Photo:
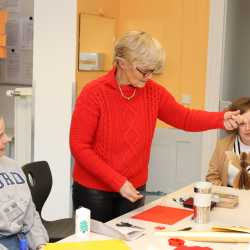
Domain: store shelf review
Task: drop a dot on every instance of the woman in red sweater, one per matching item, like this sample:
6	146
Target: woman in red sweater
113	125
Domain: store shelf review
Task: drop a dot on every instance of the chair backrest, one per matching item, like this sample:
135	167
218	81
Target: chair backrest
39	179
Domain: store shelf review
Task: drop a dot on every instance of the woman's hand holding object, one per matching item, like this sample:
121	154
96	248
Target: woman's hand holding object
129	192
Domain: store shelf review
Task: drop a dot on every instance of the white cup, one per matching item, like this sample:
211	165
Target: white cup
202	201
82	222
203	187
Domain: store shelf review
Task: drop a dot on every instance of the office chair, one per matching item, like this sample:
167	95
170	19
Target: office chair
40	182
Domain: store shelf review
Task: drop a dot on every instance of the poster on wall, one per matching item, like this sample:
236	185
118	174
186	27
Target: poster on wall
26	67
27	33
12	66
18	68
13	33
11	5
2	77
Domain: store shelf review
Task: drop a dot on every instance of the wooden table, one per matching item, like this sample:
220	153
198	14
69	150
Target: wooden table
219	216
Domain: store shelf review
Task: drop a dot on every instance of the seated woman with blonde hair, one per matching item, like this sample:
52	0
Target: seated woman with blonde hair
230	162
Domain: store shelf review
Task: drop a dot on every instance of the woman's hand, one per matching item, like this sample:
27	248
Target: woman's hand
232	119
129	192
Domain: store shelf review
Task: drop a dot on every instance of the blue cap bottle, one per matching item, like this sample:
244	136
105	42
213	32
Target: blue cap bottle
23	244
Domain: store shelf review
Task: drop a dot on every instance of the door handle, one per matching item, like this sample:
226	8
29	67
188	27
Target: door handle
12	93
17	92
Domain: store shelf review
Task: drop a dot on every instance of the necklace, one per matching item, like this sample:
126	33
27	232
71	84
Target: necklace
127	97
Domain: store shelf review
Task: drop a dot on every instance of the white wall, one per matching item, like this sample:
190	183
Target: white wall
236	80
54	76
215	62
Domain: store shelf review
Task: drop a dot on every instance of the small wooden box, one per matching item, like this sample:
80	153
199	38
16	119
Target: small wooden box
227	200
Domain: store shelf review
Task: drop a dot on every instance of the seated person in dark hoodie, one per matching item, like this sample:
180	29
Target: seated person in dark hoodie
18	215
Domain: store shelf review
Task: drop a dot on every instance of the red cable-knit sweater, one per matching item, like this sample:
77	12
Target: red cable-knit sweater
111	136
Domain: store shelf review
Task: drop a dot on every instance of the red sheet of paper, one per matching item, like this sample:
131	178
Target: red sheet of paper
163	214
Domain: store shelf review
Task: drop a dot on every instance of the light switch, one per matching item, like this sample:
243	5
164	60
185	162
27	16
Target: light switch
90	61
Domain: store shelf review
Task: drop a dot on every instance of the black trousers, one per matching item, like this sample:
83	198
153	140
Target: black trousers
104	206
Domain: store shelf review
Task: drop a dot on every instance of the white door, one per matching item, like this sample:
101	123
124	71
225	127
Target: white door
22	124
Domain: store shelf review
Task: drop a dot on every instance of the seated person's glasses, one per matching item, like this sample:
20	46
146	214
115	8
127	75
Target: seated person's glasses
145	72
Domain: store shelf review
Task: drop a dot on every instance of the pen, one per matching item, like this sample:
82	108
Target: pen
127	224
154	193
185	229
180	201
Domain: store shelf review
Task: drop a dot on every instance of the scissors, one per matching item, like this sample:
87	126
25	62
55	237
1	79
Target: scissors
126	224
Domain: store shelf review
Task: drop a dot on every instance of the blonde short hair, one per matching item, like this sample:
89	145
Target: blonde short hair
140	48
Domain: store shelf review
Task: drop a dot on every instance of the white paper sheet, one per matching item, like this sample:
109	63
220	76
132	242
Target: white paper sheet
27	33
13	65
26	66
13	33
13	5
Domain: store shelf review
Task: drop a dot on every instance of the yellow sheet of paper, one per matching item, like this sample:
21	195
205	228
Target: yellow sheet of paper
89	245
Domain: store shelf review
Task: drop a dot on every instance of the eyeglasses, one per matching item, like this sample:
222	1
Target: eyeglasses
145	72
